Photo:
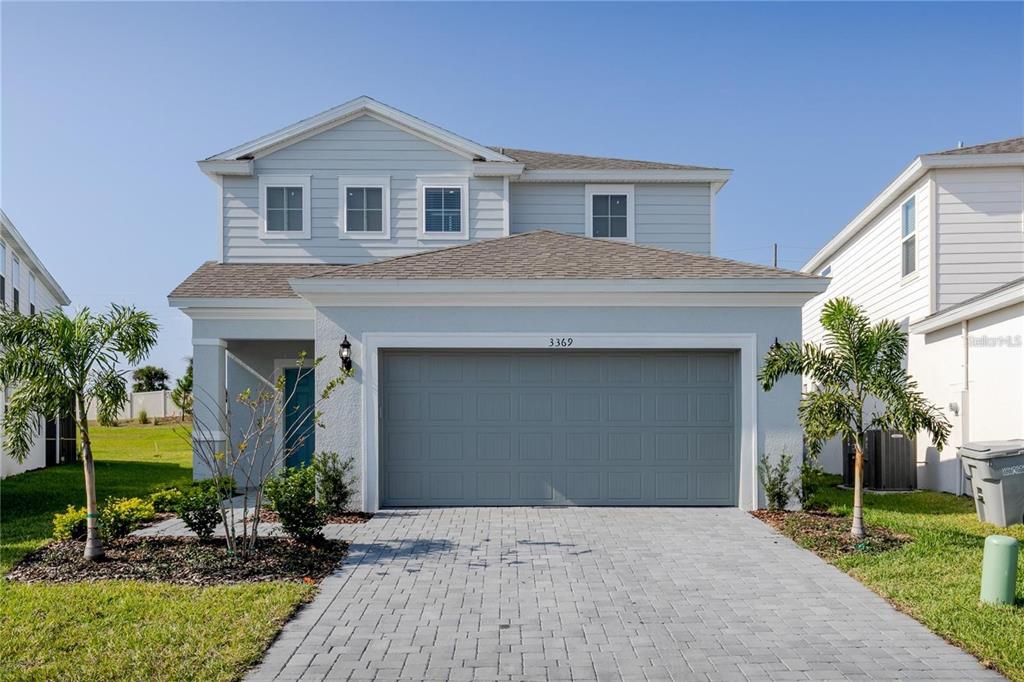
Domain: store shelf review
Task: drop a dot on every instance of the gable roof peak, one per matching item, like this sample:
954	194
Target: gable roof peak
362	105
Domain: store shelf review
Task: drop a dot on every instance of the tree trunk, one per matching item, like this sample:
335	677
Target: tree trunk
857	530
93	543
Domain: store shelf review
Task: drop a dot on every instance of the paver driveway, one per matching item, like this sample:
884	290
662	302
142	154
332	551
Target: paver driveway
597	593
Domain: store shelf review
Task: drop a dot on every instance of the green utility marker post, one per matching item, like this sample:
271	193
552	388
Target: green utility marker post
999	570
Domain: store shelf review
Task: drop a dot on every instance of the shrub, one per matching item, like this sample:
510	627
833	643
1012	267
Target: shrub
775	480
165	500
812	479
69	525
199	509
334	481
122	515
143	417
293	494
224	486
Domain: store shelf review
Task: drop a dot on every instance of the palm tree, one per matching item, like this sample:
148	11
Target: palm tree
859	383
51	360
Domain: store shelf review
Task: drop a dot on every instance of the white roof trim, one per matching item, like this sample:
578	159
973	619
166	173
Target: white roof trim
314	285
911	174
10	234
361	106
626	175
995	300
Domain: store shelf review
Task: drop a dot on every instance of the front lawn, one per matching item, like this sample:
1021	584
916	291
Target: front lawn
936	577
121	629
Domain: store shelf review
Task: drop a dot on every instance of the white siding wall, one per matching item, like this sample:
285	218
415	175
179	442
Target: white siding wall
673	216
868	269
364	146
980	231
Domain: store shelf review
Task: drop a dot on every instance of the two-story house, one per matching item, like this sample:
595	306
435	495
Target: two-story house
525	328
28	287
941	249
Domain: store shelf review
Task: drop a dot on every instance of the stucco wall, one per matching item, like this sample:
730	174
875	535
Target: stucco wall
777	427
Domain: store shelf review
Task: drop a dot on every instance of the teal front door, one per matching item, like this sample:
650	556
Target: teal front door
299	418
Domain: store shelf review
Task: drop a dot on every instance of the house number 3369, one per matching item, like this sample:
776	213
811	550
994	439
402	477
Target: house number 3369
559	342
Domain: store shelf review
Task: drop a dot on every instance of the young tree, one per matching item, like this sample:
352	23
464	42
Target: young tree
149	378
51	359
182	393
859	384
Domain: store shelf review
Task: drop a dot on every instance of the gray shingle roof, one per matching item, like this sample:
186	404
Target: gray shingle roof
245	280
534	160
1013	145
544	254
541	254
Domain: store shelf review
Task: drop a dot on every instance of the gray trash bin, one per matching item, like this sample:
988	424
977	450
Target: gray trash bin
995	469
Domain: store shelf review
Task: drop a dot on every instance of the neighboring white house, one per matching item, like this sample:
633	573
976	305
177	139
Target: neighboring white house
941	250
526	328
28	287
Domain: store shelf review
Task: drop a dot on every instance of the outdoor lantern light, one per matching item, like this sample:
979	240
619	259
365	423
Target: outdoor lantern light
345	353
776	345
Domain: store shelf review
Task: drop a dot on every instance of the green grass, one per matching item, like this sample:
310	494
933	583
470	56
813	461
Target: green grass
937	577
123	629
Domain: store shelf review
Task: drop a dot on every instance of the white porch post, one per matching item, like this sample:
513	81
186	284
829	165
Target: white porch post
209	431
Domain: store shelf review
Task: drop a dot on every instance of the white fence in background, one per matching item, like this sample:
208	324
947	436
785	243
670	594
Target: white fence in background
154	403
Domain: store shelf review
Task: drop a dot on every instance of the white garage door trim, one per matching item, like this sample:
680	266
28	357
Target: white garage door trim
373	342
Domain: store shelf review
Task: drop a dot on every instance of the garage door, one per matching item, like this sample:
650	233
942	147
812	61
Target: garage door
558	428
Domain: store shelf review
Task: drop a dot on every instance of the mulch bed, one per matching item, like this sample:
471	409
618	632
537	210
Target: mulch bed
828	535
182	561
267	516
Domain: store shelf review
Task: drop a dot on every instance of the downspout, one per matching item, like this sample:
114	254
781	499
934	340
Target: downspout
965	402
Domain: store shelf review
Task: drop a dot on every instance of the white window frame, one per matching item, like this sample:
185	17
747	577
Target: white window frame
3	272
15	284
268	181
628	190
32	307
425	182
905	237
381	181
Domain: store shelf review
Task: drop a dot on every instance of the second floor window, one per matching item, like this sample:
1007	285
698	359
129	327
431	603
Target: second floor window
3	274
365	207
15	284
31	294
284	207
609	211
908	248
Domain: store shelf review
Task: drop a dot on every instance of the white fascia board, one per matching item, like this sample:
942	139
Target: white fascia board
9	233
911	174
358	107
626	175
496	169
243	308
239	167
997	300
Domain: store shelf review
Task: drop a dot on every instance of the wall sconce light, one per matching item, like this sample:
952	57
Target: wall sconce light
776	345
345	353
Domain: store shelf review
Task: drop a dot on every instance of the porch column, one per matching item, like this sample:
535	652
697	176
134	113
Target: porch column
209	415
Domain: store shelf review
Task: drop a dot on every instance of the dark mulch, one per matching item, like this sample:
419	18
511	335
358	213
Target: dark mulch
828	535
183	561
267	516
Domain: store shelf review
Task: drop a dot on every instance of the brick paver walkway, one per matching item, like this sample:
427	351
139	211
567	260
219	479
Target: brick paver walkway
596	594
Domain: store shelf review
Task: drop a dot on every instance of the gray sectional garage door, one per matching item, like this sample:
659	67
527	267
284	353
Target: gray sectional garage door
558	428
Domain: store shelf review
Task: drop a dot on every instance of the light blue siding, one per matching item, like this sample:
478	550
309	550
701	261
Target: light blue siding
670	215
361	147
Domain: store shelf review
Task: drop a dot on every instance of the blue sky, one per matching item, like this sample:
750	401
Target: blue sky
106	107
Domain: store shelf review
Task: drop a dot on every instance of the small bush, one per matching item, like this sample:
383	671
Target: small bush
775	480
165	500
121	515
293	494
812	480
69	525
143	417
224	486
199	509
334	481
